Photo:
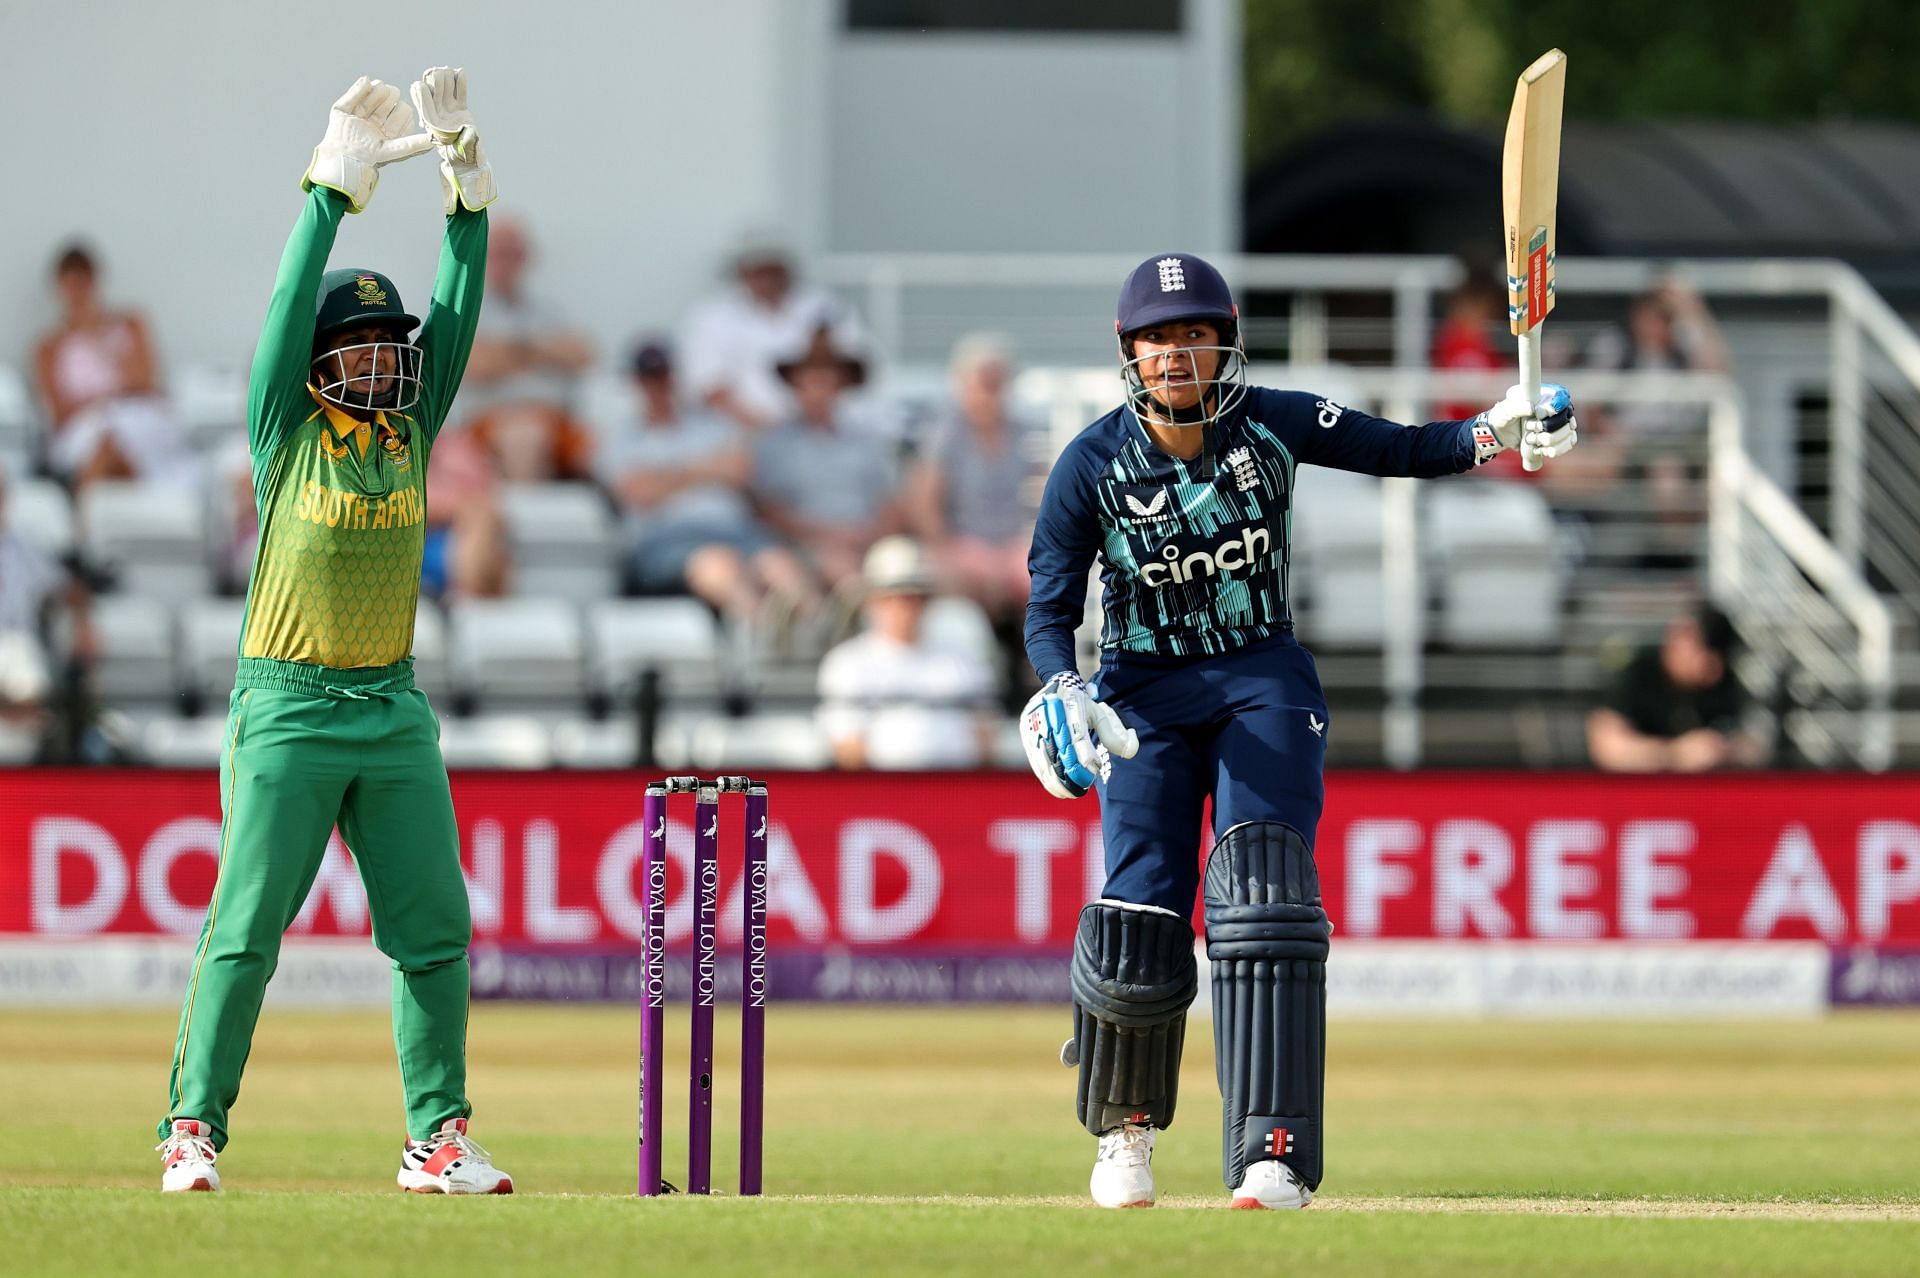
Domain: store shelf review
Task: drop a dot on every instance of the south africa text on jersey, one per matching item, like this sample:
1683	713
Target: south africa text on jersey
338	508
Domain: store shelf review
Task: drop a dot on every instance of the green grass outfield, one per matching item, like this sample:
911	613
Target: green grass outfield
943	1141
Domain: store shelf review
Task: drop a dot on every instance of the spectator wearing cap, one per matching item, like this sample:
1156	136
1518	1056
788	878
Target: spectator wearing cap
830	490
971	495
681	481
97	377
517	395
1675	706
735	340
891	699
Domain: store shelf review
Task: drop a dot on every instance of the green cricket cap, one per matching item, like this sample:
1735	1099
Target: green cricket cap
351	297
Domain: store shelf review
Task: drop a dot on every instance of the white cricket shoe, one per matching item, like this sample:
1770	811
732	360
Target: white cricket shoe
1123	1170
1273	1186
449	1163
188	1155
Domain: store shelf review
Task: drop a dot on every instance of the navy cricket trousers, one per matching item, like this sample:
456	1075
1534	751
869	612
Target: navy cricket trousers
1246	728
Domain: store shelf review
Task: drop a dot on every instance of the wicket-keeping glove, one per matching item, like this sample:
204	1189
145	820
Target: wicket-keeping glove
440	95
369	127
1069	737
1545	429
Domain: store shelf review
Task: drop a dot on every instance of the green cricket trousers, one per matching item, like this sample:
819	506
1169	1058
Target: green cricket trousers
309	747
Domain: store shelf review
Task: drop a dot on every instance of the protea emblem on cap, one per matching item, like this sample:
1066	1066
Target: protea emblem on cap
1173	277
367	289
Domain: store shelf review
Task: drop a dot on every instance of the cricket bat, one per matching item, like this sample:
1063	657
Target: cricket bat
1530	191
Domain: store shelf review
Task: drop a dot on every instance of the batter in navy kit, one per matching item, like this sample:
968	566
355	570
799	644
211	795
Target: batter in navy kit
1184	495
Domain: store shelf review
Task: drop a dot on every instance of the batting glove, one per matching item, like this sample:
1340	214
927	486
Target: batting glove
1546	428
440	96
1070	737
369	127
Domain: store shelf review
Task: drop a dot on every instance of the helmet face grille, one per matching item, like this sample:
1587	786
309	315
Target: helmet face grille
388	380
1219	394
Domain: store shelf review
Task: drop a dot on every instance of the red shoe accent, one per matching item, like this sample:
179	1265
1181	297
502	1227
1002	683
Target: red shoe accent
1245	1204
443	1157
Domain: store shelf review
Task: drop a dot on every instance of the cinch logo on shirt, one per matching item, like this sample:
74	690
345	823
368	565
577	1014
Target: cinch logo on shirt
1242	552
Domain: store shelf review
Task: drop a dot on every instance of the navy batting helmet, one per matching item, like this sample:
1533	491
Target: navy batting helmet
1175	286
1179	286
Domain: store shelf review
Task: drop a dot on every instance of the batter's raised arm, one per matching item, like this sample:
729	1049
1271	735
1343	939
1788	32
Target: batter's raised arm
1327	434
466	179
368	128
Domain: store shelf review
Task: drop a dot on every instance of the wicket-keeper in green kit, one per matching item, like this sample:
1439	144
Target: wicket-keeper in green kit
326	726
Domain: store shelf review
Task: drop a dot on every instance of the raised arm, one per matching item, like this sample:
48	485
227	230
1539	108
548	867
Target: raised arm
1328	434
368	128
454	313
466	179
277	390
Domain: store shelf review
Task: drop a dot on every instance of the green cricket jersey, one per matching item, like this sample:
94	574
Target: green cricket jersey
342	503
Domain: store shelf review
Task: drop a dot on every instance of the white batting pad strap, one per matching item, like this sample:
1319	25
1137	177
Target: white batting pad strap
1130	905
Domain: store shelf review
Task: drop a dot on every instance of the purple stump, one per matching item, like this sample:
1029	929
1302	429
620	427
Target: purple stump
653	991
706	908
753	990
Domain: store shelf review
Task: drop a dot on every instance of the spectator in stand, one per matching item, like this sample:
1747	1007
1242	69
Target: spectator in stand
1661	445
969	495
681	479
467	555
891	699
1675	706
30	584
830	491
95	374
735	340
1467	339
518	392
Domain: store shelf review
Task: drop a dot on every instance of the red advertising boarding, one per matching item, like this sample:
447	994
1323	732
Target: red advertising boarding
979	861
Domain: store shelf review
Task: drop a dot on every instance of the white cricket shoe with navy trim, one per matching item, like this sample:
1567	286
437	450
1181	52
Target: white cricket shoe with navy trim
187	1155
1123	1169
447	1162
1271	1185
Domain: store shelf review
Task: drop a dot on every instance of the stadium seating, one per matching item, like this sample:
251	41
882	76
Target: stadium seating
1337	558
170	742
209	644
517	653
1491	548
677	638
137	642
791	740
590	743
210	404
430	671
17	418
563	541
39	511
152	537
495	741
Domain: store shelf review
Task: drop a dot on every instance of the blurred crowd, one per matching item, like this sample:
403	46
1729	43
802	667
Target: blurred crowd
750	462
